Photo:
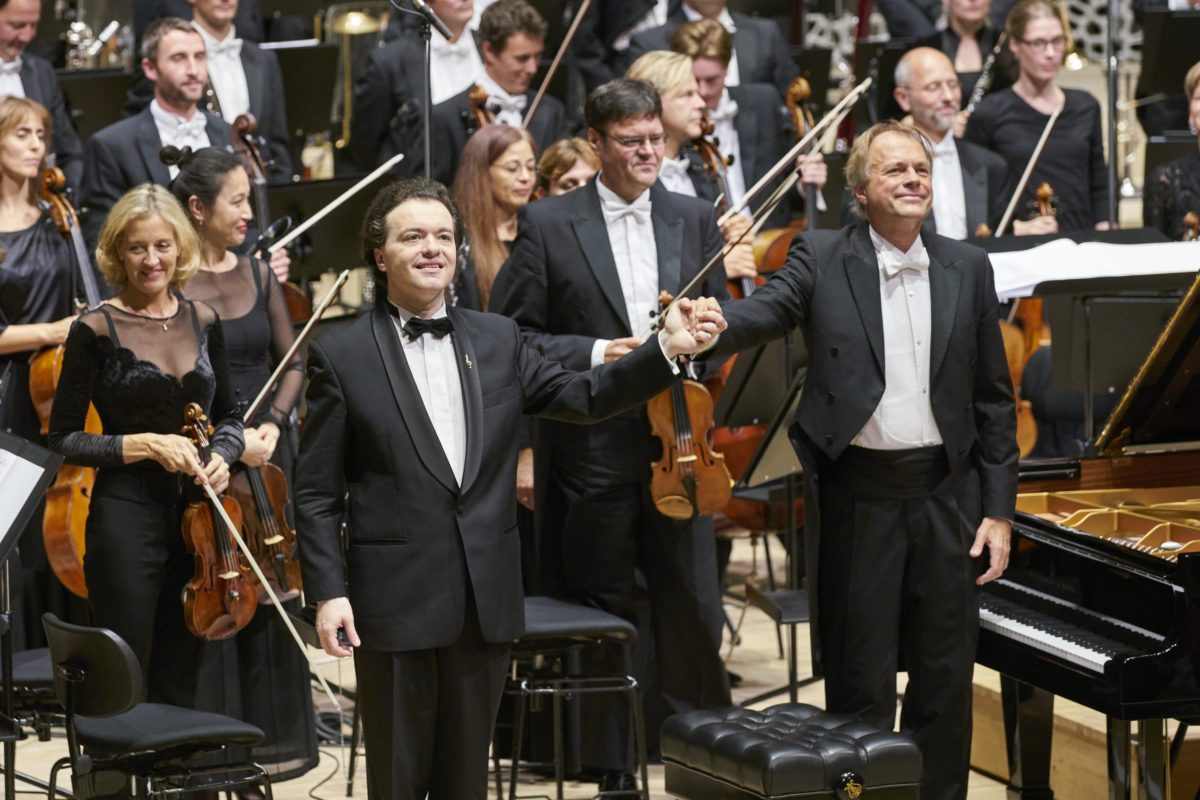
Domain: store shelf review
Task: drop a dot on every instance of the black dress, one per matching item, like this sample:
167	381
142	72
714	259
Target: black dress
1172	191
948	40
38	283
259	675
1072	161
140	373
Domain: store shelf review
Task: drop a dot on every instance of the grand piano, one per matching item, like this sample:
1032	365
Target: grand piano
1101	600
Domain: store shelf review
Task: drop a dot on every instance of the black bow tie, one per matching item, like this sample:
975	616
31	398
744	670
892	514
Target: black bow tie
417	326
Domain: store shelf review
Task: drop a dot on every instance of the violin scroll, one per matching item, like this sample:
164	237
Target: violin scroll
1191	224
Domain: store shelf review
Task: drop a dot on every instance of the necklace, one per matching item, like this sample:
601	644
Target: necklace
160	320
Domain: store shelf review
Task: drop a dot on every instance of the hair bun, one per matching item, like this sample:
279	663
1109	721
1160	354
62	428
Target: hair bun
172	156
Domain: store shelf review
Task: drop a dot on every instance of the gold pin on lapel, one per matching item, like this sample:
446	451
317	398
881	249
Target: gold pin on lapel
468	358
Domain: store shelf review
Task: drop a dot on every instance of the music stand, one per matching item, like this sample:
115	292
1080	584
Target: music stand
279	8
1168	50
94	97
758	382
26	471
1161	149
309	77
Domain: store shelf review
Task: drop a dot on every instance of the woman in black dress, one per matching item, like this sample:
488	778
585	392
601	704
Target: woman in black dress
259	675
1174	188
140	358
1011	121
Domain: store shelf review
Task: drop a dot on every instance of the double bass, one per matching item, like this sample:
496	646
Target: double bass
69	498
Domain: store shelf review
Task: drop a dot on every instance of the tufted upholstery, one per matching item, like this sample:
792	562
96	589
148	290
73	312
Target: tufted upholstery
787	751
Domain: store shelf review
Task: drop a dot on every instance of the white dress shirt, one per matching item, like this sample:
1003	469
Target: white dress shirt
226	73
456	66
175	130
507	109
10	78
949	201
673	172
732	77
904	417
725	131
434	366
631	236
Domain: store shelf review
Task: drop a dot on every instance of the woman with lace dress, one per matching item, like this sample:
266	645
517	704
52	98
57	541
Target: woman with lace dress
1174	188
259	675
140	358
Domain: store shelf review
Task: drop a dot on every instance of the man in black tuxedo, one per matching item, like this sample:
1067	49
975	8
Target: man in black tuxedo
511	35
907	433
599	49
387	95
421	432
760	53
124	154
582	281
247	19
24	74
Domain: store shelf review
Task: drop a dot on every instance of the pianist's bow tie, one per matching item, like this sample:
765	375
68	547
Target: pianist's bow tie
229	47
417	326
617	209
499	103
894	264
11	67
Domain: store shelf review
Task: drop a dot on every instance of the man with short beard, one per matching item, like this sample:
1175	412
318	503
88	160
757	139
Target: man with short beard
125	154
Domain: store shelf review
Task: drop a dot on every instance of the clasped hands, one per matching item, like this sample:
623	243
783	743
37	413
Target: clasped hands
691	326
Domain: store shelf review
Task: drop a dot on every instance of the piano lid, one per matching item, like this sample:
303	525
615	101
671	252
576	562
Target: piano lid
1161	408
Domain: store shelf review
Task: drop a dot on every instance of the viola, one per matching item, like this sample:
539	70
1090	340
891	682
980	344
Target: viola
477	114
220	599
69	498
263	492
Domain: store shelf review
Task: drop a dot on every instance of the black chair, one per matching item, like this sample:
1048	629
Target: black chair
554	628
98	681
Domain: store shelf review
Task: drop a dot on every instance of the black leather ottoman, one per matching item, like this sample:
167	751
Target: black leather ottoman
791	750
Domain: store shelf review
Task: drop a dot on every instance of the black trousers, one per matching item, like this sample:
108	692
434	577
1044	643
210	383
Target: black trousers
136	565
896	580
621	555
428	715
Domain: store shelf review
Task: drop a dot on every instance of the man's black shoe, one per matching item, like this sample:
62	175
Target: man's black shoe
620	782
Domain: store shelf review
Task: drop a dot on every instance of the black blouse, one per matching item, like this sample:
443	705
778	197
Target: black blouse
141	373
1172	191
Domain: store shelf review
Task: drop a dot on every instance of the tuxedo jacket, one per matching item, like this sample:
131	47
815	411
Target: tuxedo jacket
762	54
562	287
591	51
829	289
247	21
450	126
41	85
387	98
264	84
123	155
419	545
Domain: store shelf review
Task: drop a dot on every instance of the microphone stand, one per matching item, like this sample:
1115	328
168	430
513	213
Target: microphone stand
429	20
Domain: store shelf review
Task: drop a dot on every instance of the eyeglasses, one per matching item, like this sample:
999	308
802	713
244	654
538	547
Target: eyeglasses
655	140
1041	45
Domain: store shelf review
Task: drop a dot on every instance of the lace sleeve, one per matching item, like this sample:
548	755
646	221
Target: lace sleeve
287	392
227	436
82	361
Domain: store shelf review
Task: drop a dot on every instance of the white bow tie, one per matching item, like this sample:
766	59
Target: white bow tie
192	128
725	112
499	103
894	264
229	47
673	168
460	49
11	67
639	210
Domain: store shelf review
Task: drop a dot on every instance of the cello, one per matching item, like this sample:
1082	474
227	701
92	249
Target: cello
69	498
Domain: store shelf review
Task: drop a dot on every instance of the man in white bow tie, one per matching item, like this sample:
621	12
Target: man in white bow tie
125	154
582	282
907	433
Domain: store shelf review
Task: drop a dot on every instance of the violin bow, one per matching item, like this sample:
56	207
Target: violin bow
1033	159
562	49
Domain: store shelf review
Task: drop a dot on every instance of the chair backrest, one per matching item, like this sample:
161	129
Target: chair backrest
111	676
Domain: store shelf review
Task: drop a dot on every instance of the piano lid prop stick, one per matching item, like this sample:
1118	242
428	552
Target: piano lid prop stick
1033	159
343	197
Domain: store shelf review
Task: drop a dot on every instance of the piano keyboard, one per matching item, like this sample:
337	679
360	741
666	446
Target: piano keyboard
1066	630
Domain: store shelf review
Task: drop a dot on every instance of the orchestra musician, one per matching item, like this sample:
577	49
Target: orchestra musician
140	358
125	154
24	74
582	282
388	92
511	35
38	286
967	40
1010	122
433	595
247	21
565	165
907	435
258	676
1173	189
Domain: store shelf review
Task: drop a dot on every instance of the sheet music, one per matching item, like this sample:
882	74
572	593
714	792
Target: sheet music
18	479
1018	272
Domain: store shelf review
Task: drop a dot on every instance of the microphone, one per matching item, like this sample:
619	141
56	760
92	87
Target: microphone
434	20
276	230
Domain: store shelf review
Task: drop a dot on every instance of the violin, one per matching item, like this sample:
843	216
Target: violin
69	498
245	128
1191	225
220	599
477	114
264	491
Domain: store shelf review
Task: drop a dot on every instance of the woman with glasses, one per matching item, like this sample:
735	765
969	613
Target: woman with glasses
497	174
1011	121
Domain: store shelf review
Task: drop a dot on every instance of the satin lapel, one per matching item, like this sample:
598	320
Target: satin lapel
408	399
254	76
862	272
590	230
468	373
148	145
746	124
668	241
945	280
